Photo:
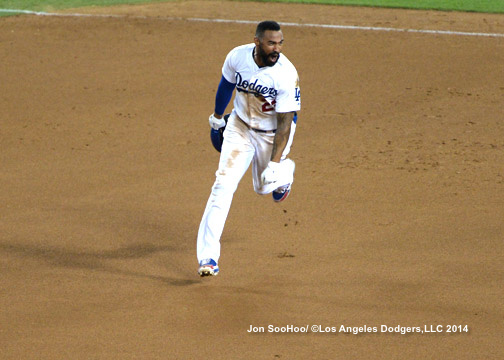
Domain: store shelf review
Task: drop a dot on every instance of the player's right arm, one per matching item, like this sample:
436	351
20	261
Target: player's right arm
226	85
224	94
223	97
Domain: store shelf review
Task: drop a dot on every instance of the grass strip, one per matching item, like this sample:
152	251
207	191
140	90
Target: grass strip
488	6
51	5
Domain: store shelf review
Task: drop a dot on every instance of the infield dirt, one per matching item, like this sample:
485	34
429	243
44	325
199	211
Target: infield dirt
396	214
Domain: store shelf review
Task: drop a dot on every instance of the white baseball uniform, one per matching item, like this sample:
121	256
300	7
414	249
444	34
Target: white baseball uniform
248	137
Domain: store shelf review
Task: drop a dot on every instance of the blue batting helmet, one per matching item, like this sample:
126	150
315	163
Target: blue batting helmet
217	136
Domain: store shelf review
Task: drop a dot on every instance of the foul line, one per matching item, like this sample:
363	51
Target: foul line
324	26
354	27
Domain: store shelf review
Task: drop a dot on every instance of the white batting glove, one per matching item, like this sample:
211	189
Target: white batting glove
271	174
216	123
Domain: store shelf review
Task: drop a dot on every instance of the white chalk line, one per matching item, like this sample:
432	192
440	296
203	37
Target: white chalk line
324	26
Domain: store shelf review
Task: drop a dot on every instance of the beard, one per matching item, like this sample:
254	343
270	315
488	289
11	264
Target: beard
268	59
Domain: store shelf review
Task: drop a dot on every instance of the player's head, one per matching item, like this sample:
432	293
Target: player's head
264	26
268	40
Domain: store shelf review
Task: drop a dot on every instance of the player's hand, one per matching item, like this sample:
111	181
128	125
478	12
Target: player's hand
216	123
271	173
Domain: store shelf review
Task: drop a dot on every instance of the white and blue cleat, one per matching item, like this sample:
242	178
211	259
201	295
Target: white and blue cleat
281	193
208	267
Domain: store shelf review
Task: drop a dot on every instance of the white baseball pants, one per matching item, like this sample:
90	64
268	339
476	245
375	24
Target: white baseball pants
241	147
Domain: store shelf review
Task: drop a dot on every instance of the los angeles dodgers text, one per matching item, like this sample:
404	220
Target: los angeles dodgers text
258	89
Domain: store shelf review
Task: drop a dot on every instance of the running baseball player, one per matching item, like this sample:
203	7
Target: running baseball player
259	130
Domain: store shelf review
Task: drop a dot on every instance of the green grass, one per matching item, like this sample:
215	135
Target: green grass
489	6
46	5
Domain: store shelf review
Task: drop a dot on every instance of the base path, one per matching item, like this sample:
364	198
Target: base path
394	220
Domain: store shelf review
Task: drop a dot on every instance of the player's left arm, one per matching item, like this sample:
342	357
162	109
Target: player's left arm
288	101
284	122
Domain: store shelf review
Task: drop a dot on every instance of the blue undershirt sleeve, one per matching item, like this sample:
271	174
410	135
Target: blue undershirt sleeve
223	97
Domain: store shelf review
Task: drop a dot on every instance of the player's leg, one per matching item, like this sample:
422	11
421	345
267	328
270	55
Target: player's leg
264	145
236	154
282	192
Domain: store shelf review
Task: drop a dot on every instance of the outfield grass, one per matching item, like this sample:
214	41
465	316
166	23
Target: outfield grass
489	6
46	5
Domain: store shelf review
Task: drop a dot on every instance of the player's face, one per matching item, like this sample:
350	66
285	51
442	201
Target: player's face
268	48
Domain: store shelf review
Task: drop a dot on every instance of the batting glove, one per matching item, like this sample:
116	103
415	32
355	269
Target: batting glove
216	123
271	173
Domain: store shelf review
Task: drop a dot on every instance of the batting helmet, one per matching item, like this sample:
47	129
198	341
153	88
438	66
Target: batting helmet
217	136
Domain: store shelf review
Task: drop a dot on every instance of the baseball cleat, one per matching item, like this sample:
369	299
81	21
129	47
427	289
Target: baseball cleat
208	267
281	194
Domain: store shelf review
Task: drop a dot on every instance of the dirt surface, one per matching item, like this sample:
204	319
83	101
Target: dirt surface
106	164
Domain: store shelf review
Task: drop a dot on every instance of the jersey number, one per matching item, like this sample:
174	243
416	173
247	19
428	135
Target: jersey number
266	107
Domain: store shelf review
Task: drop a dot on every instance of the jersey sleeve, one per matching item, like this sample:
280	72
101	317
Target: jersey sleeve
289	94
228	69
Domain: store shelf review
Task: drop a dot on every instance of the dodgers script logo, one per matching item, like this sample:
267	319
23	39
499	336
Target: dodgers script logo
257	89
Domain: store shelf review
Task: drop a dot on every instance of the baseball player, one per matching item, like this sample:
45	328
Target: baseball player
259	130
